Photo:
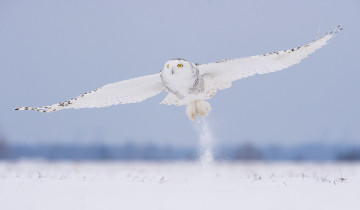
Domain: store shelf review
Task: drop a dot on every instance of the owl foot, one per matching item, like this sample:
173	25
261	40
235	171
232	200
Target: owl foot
197	107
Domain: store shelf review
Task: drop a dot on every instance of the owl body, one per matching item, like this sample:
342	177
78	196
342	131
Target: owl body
188	83
186	86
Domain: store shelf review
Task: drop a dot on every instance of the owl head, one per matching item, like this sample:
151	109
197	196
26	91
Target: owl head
178	67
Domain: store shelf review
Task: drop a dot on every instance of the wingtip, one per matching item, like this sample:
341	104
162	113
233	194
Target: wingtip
23	108
330	34
336	29
18	108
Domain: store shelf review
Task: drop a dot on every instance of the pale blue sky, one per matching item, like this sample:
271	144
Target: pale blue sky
51	51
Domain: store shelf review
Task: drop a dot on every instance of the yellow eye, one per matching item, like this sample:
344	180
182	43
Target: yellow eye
180	65
168	66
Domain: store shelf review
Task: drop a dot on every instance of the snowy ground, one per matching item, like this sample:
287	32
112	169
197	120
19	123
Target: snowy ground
170	186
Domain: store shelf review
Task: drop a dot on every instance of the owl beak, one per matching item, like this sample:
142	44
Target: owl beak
172	71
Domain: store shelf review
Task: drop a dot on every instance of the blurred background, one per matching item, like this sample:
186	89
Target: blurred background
51	51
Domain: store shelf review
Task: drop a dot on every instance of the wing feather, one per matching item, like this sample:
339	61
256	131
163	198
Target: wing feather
221	74
123	92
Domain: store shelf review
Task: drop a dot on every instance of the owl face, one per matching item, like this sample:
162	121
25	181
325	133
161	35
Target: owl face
179	75
178	69
178	66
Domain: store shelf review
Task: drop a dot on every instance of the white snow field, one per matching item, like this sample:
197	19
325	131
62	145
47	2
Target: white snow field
41	185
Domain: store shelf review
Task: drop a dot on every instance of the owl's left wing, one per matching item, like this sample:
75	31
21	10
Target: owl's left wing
123	92
219	75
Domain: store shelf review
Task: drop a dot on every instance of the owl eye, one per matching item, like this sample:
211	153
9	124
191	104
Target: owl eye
168	66
180	65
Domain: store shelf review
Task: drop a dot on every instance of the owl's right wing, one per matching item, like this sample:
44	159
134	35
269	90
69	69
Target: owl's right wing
221	74
123	92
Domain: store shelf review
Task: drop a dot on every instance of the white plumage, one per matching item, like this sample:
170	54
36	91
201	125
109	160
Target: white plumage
189	83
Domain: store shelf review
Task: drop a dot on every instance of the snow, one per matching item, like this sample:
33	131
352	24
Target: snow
45	185
207	140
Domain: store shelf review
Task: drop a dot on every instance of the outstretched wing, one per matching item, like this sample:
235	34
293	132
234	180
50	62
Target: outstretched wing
219	75
123	92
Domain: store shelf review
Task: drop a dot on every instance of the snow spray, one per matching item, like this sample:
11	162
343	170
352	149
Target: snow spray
206	142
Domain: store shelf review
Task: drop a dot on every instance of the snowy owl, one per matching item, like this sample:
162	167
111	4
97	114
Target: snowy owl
187	83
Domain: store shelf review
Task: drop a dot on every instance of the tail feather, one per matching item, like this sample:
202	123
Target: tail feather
195	108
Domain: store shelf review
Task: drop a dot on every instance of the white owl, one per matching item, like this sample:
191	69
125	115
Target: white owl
189	84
